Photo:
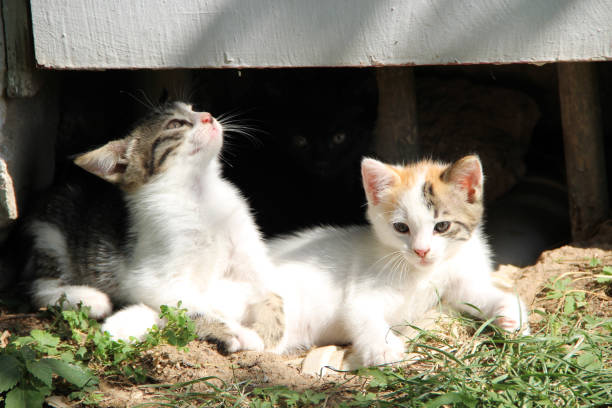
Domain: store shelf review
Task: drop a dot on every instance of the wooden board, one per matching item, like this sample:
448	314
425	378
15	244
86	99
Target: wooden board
93	34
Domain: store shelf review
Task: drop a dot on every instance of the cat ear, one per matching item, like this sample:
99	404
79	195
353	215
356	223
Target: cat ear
466	173
377	177
108	162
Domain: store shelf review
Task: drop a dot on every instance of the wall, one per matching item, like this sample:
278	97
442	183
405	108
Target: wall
94	34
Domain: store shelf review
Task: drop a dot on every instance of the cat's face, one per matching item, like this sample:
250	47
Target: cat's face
330	145
171	137
425	210
321	120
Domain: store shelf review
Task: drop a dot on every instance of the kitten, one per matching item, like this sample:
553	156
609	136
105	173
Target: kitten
360	284
173	230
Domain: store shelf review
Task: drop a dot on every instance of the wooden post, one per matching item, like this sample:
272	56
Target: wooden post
584	149
397	138
23	80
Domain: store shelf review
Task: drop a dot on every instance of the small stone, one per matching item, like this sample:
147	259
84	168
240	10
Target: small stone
318	359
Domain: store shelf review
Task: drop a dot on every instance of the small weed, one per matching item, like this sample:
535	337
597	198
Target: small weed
282	396
562	289
120	356
34	366
29	364
183	394
605	275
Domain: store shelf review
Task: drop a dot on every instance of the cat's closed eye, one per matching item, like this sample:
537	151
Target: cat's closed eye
442	226
177	123
401	227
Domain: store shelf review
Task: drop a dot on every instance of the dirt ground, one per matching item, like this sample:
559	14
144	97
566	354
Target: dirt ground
168	365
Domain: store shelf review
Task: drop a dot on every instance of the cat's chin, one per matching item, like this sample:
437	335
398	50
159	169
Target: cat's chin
424	264
200	149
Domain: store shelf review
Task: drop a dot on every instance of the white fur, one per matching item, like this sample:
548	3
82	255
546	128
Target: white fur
132	322
47	291
48	238
360	284
196	241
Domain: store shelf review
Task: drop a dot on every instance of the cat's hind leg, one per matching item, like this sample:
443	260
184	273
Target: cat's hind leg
218	311
267	319
49	266
49	291
135	320
227	335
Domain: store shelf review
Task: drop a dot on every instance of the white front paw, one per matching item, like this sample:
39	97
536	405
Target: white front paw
245	339
390	350
132	321
99	303
512	316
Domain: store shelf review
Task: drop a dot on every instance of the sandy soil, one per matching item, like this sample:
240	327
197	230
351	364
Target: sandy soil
168	365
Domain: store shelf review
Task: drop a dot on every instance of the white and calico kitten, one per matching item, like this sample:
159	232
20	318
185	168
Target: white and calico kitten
174	230
361	284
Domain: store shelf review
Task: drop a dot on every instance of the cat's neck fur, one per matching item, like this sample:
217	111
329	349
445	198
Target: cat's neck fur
176	205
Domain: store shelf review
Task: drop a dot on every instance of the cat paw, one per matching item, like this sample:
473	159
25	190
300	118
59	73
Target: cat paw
238	339
511	317
390	351
507	323
99	303
245	339
132	322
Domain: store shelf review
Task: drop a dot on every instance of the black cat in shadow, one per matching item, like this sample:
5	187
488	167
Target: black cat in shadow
317	125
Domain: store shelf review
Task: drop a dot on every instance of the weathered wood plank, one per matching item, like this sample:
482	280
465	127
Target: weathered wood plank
22	78
91	34
397	137
584	147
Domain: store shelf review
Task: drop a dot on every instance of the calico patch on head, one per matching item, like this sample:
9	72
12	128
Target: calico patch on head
427	208
171	136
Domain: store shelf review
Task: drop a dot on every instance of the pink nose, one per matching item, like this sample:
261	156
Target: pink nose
206	117
421	252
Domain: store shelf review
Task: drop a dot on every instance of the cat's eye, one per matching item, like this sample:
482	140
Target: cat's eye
300	141
177	123
339	138
401	227
442	226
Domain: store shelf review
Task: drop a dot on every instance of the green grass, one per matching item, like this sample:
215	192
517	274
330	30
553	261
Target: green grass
566	362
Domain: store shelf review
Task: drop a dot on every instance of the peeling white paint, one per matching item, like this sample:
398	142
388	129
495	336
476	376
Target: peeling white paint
92	34
8	199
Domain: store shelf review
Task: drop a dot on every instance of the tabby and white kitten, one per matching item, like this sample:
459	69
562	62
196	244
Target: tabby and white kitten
361	284
173	230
